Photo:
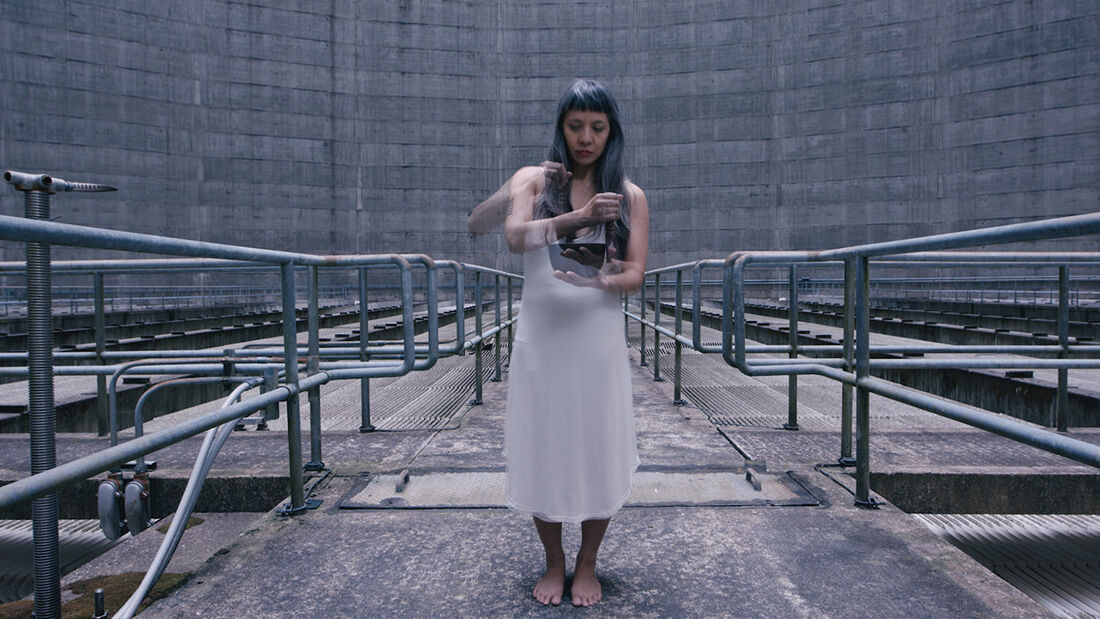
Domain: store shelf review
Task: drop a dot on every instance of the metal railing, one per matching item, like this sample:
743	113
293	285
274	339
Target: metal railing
850	362
279	370
256	366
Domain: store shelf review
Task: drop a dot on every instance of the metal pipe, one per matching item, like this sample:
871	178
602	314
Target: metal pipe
677	398
656	331
511	335
1059	227
496	320
100	346
477	349
849	364
863	369
1061	407
212	444
62	475
641	339
42	418
139	412
293	420
365	424
312	326
792	340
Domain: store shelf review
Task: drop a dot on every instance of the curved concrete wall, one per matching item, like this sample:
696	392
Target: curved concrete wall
367	127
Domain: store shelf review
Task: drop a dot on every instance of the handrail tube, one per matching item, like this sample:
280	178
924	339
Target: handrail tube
139	417
1081	451
56	478
1058	227
19	229
212	444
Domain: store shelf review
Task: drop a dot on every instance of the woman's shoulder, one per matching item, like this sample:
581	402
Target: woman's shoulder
529	176
633	191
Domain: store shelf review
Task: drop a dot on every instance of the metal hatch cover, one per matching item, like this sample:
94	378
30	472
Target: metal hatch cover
652	487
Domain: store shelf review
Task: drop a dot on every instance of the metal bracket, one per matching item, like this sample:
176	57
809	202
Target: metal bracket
288	510
849	461
402	481
790	426
314	465
870	503
754	479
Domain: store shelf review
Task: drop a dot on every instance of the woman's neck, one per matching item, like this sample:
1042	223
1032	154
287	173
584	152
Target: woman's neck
583	174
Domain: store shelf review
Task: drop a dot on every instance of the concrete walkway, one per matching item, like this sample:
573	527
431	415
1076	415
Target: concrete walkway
827	559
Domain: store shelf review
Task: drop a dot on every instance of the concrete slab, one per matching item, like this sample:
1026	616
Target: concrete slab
656	562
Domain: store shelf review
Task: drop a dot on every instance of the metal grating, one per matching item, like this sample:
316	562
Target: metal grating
1054	559
80	542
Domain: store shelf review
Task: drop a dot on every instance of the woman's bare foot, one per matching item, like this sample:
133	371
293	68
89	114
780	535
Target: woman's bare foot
548	589
586	590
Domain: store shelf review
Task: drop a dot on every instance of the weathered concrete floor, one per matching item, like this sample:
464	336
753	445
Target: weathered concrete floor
829	560
833	559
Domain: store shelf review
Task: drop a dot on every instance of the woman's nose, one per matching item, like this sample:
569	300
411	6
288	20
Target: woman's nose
586	137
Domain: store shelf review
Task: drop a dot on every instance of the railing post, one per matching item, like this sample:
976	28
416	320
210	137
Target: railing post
40	386
478	374
846	458
42	418
100	347
314	365
656	333
626	319
293	420
677	398
364	383
496	323
511	340
641	325
792	340
863	370
1061	408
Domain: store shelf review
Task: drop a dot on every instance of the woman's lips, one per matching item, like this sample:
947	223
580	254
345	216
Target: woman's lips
584	153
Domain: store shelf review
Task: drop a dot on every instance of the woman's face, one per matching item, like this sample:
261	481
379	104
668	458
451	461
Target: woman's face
585	135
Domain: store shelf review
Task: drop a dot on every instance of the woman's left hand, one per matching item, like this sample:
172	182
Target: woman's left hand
600	280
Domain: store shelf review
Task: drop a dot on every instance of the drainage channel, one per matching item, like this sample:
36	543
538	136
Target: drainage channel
80	542
1054	559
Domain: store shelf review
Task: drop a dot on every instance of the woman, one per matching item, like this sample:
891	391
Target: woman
569	435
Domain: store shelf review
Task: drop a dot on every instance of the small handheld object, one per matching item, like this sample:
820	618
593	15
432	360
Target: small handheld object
586	263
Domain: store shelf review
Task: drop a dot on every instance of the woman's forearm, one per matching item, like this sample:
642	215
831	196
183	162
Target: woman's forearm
628	281
530	235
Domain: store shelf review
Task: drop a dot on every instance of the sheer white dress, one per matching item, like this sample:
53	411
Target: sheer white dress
569	435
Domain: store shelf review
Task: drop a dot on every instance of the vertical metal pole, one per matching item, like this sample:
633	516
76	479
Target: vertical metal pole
496	323
849	364
290	364
863	369
271	412
314	364
478	374
1061	408
511	341
792	340
641	325
100	347
364	324
43	422
656	333
626	319
676	388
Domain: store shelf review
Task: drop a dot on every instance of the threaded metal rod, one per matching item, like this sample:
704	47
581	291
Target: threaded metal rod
43	424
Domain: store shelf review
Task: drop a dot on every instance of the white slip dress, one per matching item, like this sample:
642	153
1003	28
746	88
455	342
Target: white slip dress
569	434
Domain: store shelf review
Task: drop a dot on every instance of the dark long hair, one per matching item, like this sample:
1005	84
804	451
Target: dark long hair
590	96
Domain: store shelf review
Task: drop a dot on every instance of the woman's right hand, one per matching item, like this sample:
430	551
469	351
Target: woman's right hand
602	208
